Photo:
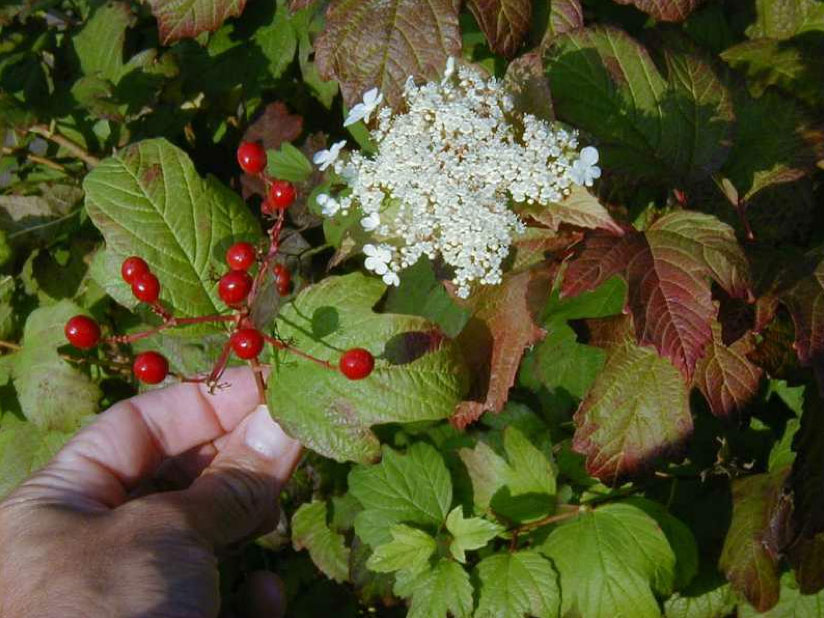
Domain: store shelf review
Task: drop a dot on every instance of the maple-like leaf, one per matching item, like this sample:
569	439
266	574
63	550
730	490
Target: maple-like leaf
580	208
188	18
636	411
504	22
502	326
805	301
667	268
725	376
665	10
379	43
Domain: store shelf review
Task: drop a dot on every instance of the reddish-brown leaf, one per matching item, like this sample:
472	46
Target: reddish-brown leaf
179	20
636	412
726	377
502	326
667	269
379	43
505	23
665	10
805	302
747	558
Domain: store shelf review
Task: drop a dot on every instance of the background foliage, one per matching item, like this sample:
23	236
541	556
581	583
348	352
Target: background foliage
631	424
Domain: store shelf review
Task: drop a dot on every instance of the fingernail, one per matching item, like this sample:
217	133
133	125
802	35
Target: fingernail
264	435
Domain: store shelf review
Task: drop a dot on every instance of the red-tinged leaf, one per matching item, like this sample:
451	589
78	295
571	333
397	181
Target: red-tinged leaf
580	208
805	302
564	16
379	43
502	326
535	243
636	412
188	18
747	559
665	10
527	82
667	269
504	22
726	377
273	127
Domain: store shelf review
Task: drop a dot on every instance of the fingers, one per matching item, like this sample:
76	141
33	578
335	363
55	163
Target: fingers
236	496
100	465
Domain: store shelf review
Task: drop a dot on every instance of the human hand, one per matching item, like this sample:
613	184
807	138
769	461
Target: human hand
76	540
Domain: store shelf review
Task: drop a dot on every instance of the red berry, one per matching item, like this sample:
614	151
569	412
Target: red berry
283	279
251	157
132	267
146	287
357	363
241	256
247	343
82	332
281	195
150	367
234	287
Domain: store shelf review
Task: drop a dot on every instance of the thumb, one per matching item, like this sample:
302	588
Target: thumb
236	496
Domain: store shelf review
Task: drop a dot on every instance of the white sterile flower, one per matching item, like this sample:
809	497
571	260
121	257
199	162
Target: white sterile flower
377	258
325	158
391	278
371	222
363	111
449	170
329	206
584	170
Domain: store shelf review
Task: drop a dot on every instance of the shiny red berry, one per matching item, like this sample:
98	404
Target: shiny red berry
251	157
356	363
281	195
234	287
247	343
150	367
146	287
82	332
132	267
241	256
283	279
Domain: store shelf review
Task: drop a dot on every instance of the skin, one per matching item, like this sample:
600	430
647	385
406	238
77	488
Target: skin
86	536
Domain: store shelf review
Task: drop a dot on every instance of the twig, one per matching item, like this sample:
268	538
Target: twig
549	519
61	140
10	346
261	386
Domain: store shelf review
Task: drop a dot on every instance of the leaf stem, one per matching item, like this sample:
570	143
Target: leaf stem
10	346
61	140
569	511
282	345
170	323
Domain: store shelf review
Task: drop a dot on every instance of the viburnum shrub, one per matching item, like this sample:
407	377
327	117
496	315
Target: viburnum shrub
539	285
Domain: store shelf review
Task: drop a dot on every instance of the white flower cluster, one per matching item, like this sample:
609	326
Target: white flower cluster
448	171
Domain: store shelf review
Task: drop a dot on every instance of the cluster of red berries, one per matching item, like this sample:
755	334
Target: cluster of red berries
234	288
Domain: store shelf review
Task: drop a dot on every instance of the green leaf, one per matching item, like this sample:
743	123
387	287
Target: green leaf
375	43
520	488
607	299
418	375
637	411
420	293
709	596
326	547
791	604
148	200
177	20
277	40
99	44
611	559
39	218
53	394
410	488
747	562
777	19
469	534
516	585
439	592
7	313
288	163
409	549
559	362
795	66
24	448
674	129
580	208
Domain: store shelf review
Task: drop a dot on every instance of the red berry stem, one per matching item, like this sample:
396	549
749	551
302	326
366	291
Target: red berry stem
170	322
220	365
271	254
282	345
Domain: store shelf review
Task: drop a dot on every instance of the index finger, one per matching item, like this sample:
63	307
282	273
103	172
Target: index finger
127	443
